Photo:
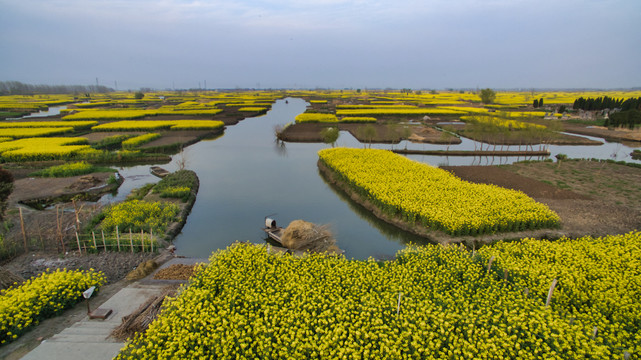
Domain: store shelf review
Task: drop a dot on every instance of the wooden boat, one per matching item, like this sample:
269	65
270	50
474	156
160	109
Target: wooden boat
158	171
274	232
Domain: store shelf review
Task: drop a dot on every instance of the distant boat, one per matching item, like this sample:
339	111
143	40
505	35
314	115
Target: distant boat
158	171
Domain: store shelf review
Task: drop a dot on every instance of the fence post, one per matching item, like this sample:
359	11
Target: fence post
104	244
142	240
93	234
78	240
151	238
131	240
24	234
118	237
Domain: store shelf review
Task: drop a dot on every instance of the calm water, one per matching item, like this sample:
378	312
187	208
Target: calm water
245	175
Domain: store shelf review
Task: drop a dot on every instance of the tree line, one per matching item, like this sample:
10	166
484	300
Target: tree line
19	88
606	102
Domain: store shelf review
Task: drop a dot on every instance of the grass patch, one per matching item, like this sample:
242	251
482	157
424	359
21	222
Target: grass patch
71	169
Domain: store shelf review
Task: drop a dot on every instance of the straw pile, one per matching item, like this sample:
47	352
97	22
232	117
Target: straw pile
142	270
7	279
305	236
139	320
175	272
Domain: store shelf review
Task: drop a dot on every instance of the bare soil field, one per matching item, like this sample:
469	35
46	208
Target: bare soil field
382	133
592	198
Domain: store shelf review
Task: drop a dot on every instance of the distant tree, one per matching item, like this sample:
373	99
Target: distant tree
541	102
487	96
139	95
330	135
536	103
358	91
562	109
368	132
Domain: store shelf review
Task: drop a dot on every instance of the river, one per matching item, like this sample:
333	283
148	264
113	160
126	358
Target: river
245	175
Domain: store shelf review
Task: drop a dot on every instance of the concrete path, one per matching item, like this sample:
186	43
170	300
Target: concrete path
88	339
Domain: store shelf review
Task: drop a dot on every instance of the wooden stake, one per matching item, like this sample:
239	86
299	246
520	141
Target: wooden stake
78	240
93	234
75	210
398	306
24	233
142	240
151	239
118	237
550	292
131	240
59	228
104	244
489	264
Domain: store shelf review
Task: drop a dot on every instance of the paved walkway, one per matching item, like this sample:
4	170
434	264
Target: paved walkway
88	339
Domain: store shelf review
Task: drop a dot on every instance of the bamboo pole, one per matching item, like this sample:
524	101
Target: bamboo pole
118	237
24	233
93	234
398	305
151	239
142	240
104	244
131	240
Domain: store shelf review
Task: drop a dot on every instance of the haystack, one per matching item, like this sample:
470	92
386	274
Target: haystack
306	236
142	270
8	279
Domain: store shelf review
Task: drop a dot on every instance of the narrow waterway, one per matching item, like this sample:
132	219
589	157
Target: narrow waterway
246	175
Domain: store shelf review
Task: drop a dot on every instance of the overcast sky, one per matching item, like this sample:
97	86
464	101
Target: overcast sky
433	44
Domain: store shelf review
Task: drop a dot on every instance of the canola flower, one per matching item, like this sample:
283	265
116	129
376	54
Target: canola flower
44	296
432	302
134	142
398	111
110	114
139	215
47	124
133	125
435	198
316	117
252	109
598	281
37	148
22	132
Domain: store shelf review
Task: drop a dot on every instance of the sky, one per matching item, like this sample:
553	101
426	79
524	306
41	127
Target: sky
417	44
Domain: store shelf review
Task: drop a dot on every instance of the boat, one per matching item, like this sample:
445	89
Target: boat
158	171
273	231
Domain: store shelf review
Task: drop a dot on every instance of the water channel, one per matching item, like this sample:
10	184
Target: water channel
245	175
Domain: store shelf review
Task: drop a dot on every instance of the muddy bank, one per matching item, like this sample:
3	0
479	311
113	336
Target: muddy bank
471	152
616	135
39	192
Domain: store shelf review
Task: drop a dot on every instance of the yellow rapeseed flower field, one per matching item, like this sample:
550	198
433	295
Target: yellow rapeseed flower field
433	197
